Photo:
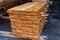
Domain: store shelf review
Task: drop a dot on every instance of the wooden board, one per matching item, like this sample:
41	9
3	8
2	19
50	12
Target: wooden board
39	0
9	34
28	7
5	3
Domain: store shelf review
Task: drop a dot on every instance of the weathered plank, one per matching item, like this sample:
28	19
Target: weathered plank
9	34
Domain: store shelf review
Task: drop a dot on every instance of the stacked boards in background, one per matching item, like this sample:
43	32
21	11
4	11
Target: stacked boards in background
5	3
39	0
28	20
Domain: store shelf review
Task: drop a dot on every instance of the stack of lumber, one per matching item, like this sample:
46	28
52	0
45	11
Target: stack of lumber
39	0
28	20
4	3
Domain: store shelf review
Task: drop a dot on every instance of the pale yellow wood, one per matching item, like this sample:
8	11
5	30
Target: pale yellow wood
39	0
30	6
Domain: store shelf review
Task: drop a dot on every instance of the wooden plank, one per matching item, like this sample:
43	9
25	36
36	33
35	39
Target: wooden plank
28	8
5	17
7	3
9	34
39	0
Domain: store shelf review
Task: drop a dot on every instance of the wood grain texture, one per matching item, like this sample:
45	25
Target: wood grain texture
39	0
28	7
27	20
4	3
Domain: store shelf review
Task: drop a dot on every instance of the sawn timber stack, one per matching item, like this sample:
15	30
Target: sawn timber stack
28	20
